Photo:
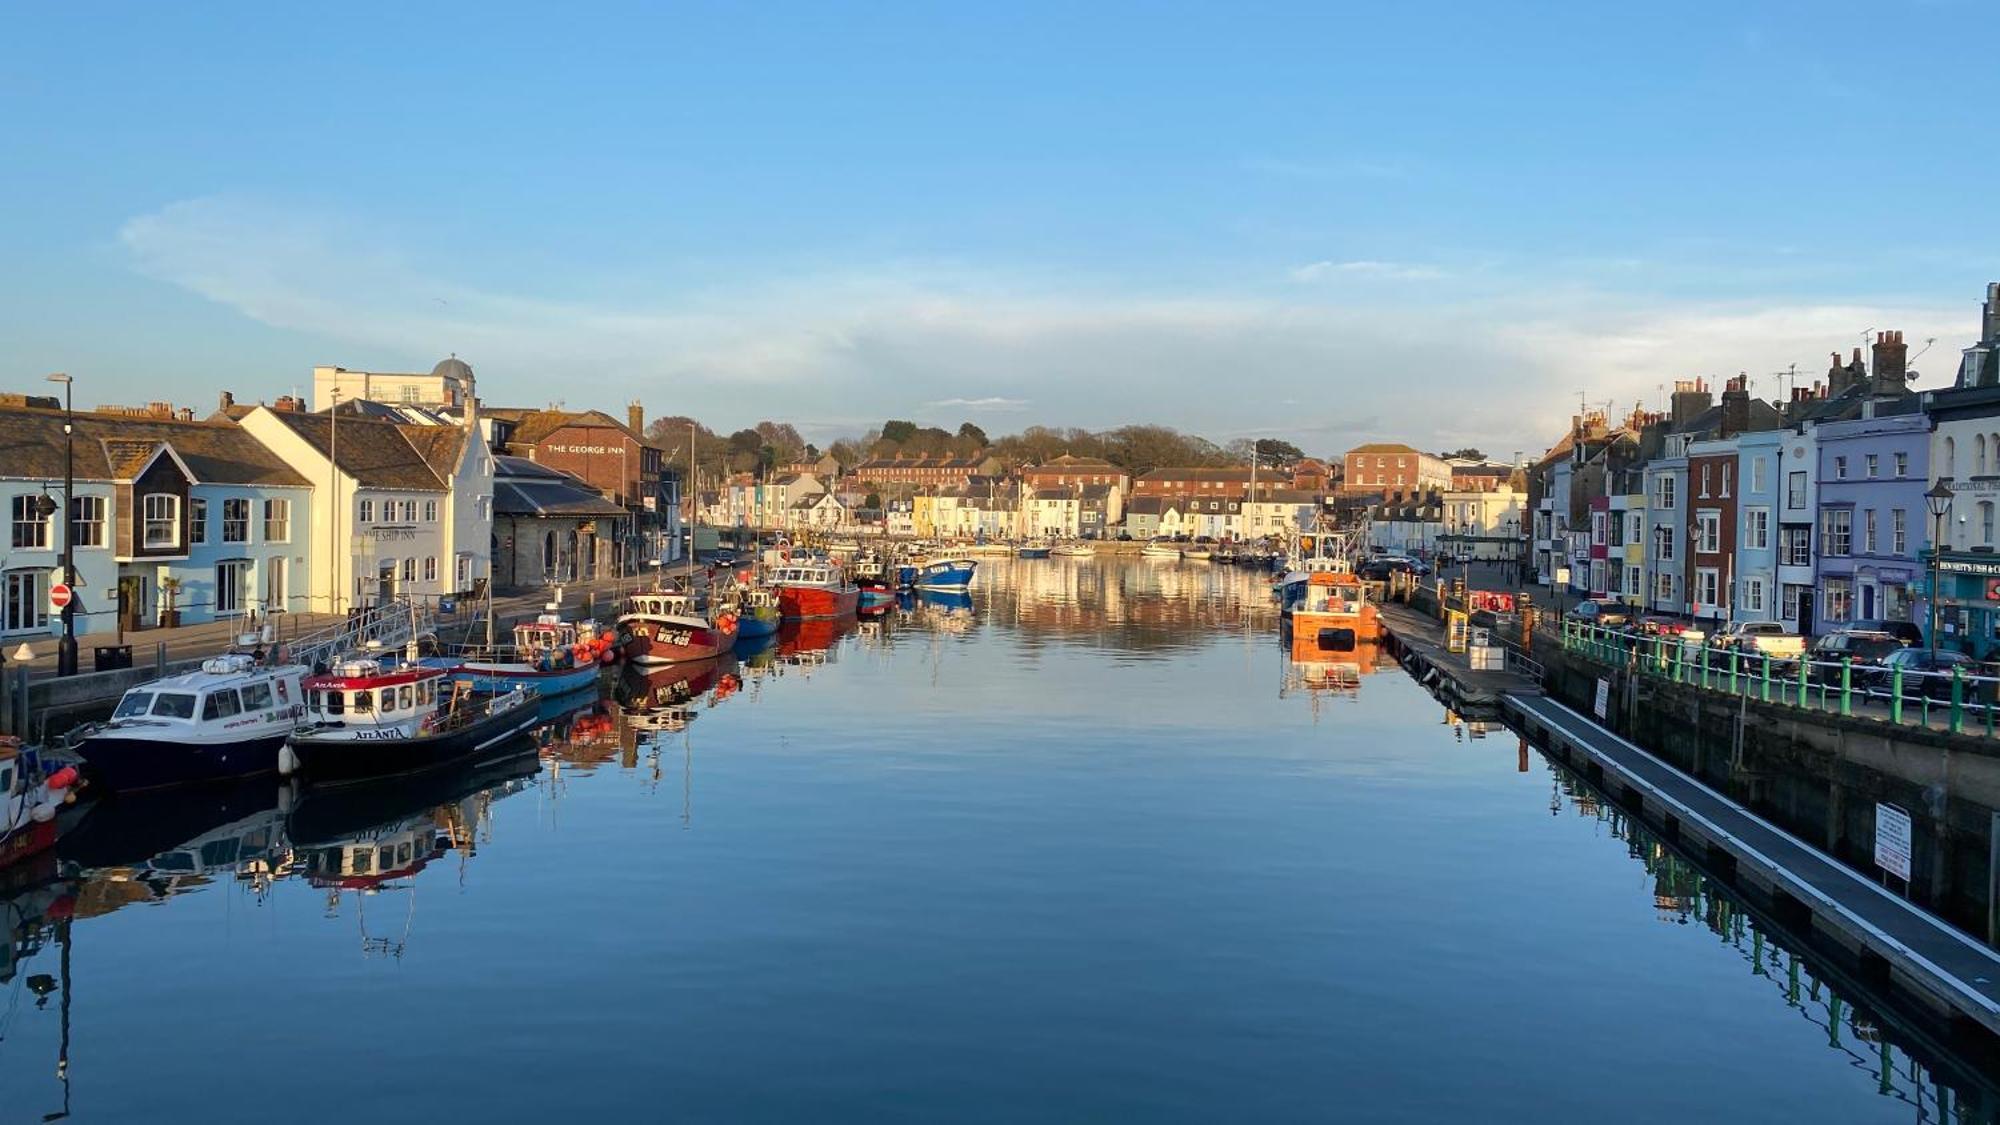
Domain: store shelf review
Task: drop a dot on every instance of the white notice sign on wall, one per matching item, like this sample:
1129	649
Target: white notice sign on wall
1603	698
1892	840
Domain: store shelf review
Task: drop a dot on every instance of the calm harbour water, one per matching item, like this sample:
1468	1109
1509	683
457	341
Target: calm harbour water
1089	850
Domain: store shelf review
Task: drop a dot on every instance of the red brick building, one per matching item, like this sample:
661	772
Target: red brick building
1710	527
1391	467
611	456
1066	471
929	472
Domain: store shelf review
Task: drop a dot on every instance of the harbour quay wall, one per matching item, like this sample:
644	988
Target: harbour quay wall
1818	775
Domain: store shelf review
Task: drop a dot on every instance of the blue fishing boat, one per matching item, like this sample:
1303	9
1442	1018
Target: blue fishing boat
907	574
1035	550
757	613
945	574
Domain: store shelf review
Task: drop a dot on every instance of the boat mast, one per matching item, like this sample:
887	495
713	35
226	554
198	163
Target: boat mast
694	505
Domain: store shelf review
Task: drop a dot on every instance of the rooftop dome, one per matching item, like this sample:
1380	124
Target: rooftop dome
455	368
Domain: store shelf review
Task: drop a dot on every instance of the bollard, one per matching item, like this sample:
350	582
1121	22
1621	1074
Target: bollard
1767	678
159	659
1803	665
1847	685
1957	700
1732	671
1896	694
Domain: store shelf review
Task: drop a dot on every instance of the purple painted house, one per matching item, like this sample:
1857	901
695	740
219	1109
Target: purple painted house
1872	521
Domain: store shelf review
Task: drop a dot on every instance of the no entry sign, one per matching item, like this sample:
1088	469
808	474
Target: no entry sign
60	595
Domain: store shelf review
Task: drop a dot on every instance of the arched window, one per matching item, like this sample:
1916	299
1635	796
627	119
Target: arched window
548	552
1979	455
1986	522
1950	459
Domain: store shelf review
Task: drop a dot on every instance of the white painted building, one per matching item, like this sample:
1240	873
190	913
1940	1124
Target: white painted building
397	510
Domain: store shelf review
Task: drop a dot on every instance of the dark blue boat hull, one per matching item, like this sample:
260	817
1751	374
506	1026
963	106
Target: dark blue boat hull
123	764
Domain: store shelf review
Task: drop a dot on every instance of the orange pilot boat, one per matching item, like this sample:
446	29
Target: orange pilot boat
1333	615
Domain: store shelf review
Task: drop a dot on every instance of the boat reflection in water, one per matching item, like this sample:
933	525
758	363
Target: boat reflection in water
663	698
375	836
811	643
1330	672
149	845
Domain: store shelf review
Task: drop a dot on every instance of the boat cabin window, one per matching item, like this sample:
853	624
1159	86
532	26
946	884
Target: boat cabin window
364	702
174	705
256	697
220	704
424	693
406	696
6	779
364	860
331	702
134	704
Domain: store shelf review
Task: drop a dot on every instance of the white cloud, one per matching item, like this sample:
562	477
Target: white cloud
839	350
1395	271
991	402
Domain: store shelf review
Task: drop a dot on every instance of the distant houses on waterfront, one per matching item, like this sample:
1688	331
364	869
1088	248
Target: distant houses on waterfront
1827	506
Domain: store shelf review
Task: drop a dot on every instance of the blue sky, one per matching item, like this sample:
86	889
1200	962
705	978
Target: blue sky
1384	221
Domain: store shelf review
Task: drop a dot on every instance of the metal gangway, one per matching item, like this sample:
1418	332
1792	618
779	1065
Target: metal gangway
388	626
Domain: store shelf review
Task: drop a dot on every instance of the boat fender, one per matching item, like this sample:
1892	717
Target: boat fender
43	813
62	778
288	762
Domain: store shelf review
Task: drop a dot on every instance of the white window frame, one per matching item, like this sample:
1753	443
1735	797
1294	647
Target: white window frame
277	520
239	522
1708	529
1757	529
166	519
30	527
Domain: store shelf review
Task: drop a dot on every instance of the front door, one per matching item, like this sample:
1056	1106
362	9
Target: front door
274	584
385	582
27	601
132	600
1868	603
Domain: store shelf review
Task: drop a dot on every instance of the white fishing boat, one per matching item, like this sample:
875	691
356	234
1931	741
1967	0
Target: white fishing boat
227	719
1073	550
1160	549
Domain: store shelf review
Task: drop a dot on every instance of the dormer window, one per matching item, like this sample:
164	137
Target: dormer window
161	513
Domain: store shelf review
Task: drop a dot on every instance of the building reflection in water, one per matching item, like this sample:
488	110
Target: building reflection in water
1939	1077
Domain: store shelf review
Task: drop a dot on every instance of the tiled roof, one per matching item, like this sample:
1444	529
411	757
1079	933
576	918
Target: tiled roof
376	454
533	426
112	447
1383	447
1220	474
523	488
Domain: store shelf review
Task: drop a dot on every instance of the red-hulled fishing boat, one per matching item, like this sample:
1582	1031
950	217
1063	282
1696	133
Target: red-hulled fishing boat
663	627
813	591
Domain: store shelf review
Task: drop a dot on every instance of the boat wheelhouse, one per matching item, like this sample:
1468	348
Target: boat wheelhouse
365	719
229	718
664	627
813	590
758	614
1333	613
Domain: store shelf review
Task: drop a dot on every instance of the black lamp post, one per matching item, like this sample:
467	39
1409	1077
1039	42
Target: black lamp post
66	648
1938	500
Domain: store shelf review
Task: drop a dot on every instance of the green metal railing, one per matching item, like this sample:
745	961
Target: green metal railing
1958	701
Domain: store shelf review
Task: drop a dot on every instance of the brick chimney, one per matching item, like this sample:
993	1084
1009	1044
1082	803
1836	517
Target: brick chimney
228	400
635	417
1736	406
1892	362
1691	397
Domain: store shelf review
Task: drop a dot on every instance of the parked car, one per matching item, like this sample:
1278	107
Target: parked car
1653	625
1926	672
1906	632
1866	648
1379	569
1604	614
1766	637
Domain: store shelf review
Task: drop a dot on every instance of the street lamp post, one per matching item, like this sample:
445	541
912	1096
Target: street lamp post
1938	500
66	648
